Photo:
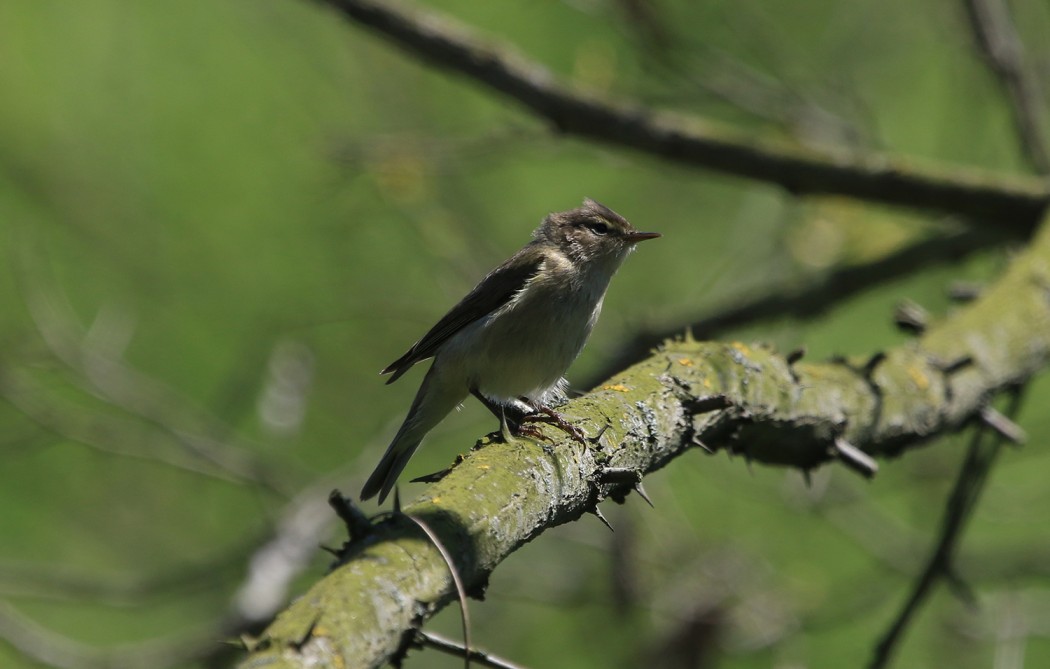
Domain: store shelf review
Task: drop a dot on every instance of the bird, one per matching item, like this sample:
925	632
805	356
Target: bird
510	340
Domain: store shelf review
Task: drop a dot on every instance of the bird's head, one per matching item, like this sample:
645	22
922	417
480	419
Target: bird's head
591	232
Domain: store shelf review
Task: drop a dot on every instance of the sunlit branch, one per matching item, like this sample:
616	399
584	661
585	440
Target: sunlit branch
750	401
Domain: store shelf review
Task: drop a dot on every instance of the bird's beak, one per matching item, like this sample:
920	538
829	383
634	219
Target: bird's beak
635	237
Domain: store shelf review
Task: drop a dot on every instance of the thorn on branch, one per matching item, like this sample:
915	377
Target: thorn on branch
696	442
596	439
641	493
434	477
954	366
793	357
298	644
910	317
708	404
249	643
872	364
856	459
866	372
338	553
357	524
964	291
624	476
600	516
1005	427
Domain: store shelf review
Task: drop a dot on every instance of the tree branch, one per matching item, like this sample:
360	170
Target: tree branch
940	566
816	295
1015	203
725	396
1002	51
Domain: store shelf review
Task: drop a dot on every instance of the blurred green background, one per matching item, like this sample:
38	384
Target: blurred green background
220	220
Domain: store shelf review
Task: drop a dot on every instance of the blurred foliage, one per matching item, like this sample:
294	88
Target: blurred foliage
220	220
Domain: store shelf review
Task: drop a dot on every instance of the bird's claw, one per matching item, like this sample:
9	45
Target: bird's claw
531	433
552	417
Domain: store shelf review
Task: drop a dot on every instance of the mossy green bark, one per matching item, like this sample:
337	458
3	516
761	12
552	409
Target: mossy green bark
721	395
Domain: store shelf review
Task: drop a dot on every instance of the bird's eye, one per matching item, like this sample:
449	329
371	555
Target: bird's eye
597	227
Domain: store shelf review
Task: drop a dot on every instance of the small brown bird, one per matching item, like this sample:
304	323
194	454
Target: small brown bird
510	340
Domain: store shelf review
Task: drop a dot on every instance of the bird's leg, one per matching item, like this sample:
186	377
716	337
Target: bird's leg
544	414
504	426
495	407
511	418
508	413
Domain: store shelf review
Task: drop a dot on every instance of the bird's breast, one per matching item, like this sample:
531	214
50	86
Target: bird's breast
525	347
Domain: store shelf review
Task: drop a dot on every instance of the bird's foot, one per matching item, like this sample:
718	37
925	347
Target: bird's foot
512	427
544	414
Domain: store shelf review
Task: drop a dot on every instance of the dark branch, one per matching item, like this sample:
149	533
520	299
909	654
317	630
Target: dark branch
1001	49
963	500
446	645
808	300
1016	204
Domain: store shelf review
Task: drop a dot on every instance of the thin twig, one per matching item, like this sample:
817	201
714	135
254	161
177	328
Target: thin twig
461	591
716	74
97	367
446	645
960	506
1001	49
61	583
51	649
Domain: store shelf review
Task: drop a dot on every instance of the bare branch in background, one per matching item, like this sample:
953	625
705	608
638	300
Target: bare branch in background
814	296
116	435
1001	49
55	650
1011	204
94	360
57	582
941	565
717	74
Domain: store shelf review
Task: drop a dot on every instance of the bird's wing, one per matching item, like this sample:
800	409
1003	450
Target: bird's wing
495	290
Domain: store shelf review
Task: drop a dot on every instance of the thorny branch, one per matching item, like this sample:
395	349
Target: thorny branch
810	298
724	396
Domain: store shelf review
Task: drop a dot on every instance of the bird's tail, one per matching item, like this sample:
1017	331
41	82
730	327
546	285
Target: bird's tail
432	403
389	468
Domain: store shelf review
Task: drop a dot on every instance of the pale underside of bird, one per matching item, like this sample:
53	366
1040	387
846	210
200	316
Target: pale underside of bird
510	340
